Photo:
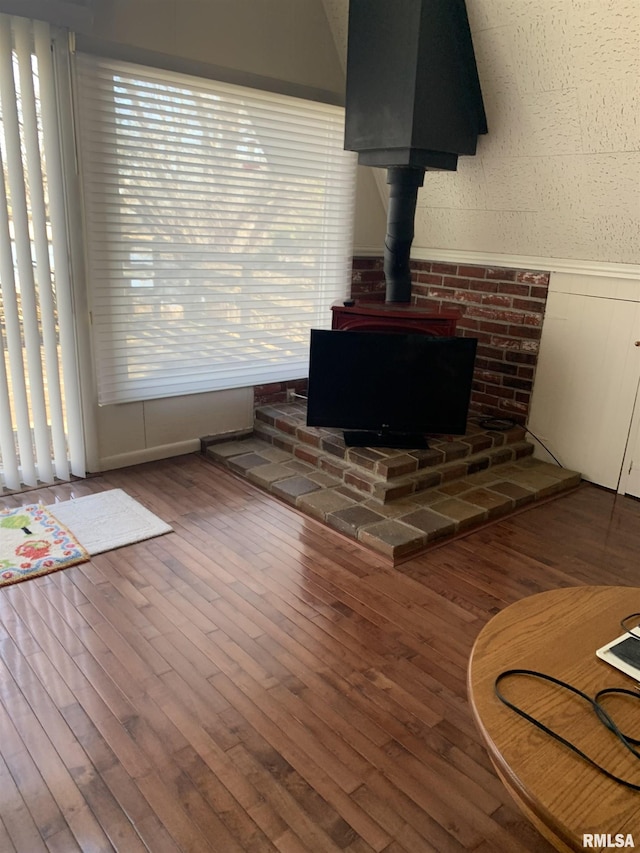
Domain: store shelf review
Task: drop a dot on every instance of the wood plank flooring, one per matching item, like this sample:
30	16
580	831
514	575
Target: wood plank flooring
255	682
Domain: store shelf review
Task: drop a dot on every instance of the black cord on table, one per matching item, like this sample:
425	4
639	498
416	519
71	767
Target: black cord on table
627	741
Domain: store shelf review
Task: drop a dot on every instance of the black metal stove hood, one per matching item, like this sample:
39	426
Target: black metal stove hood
413	104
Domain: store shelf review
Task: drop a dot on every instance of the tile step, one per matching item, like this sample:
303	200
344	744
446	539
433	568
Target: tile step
404	526
285	427
388	488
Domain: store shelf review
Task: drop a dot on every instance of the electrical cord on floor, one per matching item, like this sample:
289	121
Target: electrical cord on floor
503	424
627	741
556	460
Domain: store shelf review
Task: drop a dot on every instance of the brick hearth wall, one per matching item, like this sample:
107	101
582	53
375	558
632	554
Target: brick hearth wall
367	278
503	308
277	392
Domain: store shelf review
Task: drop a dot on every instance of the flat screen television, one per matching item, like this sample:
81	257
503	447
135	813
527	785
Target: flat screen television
389	389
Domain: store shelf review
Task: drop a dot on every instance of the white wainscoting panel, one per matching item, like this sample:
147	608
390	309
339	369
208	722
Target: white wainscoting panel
587	375
130	433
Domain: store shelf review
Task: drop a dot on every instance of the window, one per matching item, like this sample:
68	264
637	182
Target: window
41	436
219	229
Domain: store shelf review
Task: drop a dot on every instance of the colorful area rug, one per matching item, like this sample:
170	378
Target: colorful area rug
36	540
33	542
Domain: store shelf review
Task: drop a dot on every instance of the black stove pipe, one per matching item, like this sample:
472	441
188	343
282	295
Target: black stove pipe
404	182
413	102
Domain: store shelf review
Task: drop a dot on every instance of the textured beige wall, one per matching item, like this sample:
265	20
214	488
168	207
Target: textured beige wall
558	175
284	39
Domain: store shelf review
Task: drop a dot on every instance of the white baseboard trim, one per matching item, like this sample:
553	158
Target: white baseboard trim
520	262
148	454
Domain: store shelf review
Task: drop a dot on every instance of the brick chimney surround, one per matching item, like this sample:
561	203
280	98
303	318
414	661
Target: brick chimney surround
503	308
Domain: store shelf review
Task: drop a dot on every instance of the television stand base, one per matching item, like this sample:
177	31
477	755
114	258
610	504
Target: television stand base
371	438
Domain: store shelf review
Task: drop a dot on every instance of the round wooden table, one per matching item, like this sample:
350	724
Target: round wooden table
557	633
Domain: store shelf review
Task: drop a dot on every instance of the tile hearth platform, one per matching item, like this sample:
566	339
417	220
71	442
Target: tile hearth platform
397	502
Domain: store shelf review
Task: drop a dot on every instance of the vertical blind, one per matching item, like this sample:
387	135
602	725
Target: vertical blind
219	229
40	420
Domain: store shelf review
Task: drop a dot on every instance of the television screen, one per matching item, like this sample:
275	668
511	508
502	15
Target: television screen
389	384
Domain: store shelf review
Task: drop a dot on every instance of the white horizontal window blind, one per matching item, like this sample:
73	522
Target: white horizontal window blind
41	434
219	229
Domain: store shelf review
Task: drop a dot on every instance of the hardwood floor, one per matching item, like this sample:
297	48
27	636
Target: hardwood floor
255	682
